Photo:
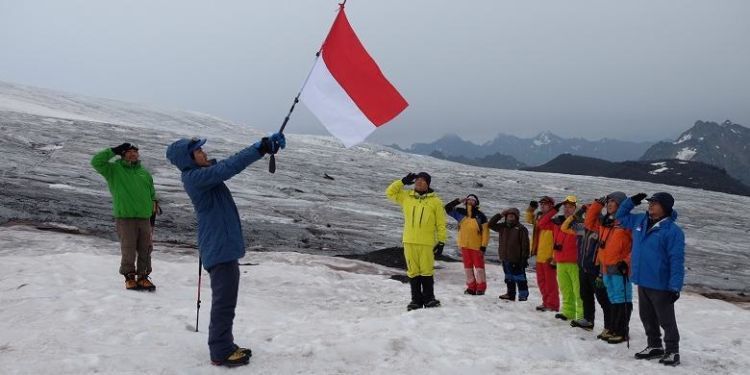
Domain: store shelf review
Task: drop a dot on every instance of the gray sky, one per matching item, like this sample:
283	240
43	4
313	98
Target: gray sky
638	70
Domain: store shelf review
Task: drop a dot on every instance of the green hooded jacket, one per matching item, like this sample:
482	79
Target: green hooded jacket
131	185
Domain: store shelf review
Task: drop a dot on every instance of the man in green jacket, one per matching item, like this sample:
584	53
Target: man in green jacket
133	203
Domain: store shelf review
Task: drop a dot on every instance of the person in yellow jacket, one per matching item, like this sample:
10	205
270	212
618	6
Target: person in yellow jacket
424	234
473	236
542	247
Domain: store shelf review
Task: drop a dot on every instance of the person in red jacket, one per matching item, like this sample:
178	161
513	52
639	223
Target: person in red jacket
542	243
473	235
566	259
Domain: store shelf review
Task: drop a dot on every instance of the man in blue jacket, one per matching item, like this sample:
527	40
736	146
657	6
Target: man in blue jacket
219	232
657	267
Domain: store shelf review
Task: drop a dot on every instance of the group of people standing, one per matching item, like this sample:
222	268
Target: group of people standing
584	253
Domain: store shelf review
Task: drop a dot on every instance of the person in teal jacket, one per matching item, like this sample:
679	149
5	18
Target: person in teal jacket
658	268
133	203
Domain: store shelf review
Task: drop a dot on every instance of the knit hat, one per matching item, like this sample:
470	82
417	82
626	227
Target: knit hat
664	199
547	199
475	198
617	196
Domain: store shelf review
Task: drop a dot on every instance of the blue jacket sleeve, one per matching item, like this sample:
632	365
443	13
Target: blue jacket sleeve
623	215
207	177
676	259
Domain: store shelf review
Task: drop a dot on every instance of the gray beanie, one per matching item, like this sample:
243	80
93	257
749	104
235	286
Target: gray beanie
618	197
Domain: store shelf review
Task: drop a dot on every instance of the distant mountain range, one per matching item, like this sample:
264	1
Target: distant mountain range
528	151
671	171
725	145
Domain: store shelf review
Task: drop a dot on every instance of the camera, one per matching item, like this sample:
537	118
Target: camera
557	247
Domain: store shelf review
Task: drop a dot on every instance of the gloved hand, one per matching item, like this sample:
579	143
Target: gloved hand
558	220
675	296
438	249
581	211
557	206
119	150
271	145
483	249
602	200
599	283
636	199
534	204
622	267
409	178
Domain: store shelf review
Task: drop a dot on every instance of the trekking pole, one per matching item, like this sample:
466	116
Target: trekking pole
198	304
272	160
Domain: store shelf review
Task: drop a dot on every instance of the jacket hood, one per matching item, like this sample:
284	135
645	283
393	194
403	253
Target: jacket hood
179	155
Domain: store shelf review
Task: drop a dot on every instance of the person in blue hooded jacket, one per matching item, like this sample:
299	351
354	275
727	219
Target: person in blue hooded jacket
219	232
657	267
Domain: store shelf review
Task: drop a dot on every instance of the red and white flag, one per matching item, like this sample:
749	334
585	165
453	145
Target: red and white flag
346	90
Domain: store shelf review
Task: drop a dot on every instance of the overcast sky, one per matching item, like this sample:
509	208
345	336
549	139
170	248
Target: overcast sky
638	70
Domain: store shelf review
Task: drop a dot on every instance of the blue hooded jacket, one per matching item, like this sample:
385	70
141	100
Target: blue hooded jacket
658	257
219	230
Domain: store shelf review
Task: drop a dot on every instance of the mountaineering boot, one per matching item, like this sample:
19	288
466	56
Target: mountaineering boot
238	358
507	297
582	323
130	282
670	359
145	284
542	308
470	291
650	353
605	335
428	290
247	351
416	294
561	316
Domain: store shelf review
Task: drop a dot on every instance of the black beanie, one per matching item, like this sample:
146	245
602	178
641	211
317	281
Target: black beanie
426	176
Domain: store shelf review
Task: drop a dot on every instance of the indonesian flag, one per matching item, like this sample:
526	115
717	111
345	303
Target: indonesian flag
346	90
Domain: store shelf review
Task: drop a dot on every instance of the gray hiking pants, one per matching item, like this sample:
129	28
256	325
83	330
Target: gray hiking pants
135	245
657	310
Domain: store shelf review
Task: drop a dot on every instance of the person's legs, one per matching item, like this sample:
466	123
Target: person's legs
600	291
411	255
566	289
541	281
128	235
647	312
510	283
664	308
481	276
572	270
144	247
586	290
225	279
552	288
471	282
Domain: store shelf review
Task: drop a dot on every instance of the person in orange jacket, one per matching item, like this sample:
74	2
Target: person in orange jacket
473	236
566	259
542	244
615	244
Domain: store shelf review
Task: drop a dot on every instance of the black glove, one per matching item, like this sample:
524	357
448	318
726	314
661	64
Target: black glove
622	267
602	200
675	296
438	249
409	178
483	249
558	220
636	199
119	150
557	206
581	211
271	145
534	204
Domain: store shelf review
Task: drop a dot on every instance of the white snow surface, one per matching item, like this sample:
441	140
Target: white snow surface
65	311
684	138
686	153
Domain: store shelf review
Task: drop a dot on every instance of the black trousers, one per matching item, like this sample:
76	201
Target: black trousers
588	291
657	310
225	281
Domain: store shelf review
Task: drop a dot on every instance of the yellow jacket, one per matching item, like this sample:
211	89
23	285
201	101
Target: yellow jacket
424	215
470	235
543	241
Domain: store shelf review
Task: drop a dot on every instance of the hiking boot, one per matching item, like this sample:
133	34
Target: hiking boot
509	297
542	308
480	292
605	335
130	282
650	353
617	339
670	359
470	291
238	358
561	316
522	299
413	305
432	303
247	351
582	323
145	284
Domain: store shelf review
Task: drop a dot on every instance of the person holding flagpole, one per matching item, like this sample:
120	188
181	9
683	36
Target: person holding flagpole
424	234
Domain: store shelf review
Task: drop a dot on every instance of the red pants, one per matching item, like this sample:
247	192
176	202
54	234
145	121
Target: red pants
474	266
546	278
